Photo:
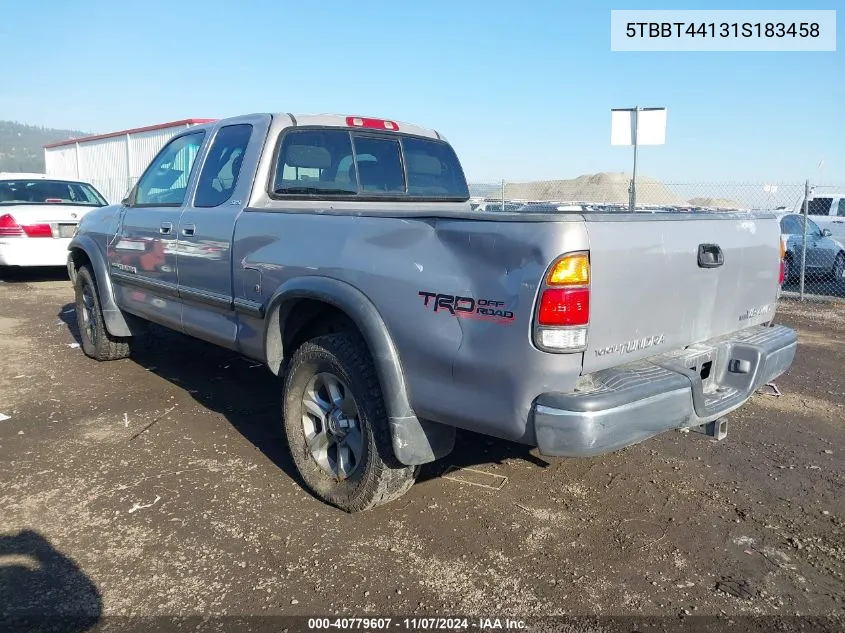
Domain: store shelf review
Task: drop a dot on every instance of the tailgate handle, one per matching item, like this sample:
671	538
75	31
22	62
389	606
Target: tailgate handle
710	256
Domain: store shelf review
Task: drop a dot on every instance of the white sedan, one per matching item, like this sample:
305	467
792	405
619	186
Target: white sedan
38	216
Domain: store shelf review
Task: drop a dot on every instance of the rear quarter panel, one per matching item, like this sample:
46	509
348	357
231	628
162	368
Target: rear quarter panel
469	371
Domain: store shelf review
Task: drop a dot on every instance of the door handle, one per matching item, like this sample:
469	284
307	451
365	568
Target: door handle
165	228
710	256
189	229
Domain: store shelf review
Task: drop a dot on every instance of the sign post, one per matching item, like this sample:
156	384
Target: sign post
637	126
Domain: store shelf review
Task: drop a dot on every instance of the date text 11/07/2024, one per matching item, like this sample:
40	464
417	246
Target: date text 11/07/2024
416	624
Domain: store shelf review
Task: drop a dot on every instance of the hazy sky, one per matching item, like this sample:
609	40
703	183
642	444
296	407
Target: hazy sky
521	89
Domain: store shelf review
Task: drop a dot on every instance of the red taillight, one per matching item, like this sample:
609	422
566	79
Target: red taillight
37	230
8	226
565	306
782	273
378	124
54	200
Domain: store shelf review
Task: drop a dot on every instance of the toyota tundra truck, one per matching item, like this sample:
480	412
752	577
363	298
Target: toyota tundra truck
342	252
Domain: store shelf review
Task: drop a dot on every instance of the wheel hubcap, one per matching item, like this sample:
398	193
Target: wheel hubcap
88	314
331	426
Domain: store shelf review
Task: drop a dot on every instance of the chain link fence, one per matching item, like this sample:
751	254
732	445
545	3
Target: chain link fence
812	217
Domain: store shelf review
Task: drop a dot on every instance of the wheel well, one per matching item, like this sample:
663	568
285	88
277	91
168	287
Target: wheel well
300	320
78	258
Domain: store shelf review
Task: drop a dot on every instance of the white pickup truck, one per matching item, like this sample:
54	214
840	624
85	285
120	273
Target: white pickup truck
828	211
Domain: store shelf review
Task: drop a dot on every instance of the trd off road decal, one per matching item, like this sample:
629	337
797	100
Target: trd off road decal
467	307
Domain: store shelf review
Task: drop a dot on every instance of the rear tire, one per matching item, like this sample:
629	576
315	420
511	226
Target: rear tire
336	425
96	341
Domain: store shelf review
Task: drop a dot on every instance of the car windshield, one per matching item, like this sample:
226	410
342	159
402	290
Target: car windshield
43	191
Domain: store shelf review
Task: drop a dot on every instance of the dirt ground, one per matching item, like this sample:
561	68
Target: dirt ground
160	485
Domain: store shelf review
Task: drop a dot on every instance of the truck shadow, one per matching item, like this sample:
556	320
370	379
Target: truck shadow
42	589
14	275
250	398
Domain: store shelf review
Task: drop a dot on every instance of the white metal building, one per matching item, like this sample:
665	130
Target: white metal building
111	162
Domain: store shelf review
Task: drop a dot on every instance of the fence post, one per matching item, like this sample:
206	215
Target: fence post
503	195
804	239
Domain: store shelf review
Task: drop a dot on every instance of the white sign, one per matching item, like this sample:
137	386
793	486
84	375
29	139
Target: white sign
649	125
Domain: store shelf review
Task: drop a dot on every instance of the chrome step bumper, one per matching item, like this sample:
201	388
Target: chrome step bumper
691	387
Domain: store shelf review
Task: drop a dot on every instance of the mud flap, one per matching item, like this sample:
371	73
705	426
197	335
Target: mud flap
417	442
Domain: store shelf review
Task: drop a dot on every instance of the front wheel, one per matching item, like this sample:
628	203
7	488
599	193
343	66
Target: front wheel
337	428
96	340
839	268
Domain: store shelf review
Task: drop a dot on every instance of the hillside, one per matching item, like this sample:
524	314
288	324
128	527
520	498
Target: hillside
21	146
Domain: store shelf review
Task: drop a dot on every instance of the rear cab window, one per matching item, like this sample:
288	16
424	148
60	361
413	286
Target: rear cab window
353	165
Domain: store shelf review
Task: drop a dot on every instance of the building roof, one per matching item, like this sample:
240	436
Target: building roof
136	130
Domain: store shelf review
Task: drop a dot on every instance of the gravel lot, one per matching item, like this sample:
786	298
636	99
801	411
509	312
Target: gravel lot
160	485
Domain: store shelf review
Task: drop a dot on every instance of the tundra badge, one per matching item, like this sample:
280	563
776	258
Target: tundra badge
754	312
631	346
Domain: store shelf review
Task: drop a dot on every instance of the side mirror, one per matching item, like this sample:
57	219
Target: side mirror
826	233
129	197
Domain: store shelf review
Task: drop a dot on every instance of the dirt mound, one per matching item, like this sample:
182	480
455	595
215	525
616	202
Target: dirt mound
602	188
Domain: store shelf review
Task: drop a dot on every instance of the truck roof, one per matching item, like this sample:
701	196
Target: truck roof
339	120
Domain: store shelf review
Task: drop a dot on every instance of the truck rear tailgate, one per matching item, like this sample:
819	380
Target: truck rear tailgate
650	294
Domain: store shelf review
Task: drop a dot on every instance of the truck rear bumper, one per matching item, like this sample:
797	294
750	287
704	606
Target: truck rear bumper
615	408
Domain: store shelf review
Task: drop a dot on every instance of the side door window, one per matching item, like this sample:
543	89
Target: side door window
841	210
819	206
219	174
165	181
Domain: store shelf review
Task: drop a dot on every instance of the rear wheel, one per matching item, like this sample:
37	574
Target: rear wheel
337	428
96	340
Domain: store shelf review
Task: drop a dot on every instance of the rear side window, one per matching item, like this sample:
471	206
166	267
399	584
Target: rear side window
337	162
819	206
222	166
841	211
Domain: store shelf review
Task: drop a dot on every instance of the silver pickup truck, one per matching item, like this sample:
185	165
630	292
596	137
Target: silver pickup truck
343	253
